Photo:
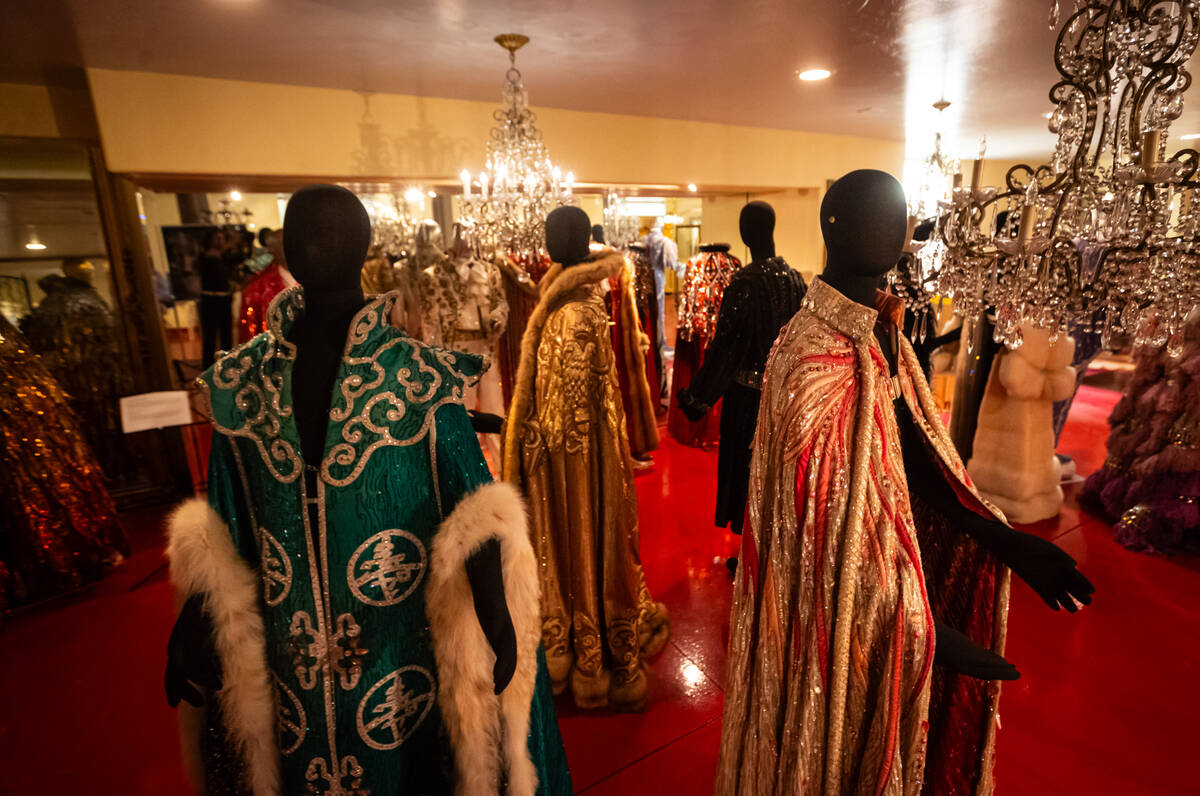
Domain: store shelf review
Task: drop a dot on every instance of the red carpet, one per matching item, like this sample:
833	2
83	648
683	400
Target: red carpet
1105	704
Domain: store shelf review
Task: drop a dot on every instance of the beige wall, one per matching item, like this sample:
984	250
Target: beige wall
45	112
156	123
797	226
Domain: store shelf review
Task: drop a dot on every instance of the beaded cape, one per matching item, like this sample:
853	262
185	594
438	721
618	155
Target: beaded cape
344	551
831	684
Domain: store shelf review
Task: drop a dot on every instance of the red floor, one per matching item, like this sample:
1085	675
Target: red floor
1104	706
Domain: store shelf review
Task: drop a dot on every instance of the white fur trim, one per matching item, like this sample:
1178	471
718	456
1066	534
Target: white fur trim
204	561
1060	384
1020	378
482	726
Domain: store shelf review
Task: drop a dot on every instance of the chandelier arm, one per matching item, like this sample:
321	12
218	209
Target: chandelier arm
1189	160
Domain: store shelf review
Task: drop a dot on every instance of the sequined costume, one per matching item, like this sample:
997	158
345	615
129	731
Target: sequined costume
631	345
58	528
759	300
830	681
351	655
74	333
464	308
1149	485
704	281
647	306
565	445
256	298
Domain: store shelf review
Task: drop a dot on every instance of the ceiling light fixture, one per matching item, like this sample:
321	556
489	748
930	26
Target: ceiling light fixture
1105	237
33	243
433	194
520	185
235	195
809	75
1189	137
692	187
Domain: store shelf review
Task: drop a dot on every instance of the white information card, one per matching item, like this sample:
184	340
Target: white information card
150	410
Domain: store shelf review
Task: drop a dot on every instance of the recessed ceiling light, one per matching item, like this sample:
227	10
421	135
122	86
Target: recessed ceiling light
433	194
235	196
692	187
1189	137
32	242
813	74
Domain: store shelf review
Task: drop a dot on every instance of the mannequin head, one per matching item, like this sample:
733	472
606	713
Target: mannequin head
326	233
757	225
79	268
864	220
568	231
597	233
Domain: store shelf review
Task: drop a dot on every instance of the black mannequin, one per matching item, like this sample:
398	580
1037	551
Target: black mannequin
757	225
568	232
598	234
864	223
759	300
326	233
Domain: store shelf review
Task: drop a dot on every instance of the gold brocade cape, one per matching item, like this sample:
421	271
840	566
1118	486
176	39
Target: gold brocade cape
632	346
565	445
830	683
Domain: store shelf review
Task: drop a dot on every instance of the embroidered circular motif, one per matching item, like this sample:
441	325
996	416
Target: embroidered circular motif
290	721
276	570
394	707
386	568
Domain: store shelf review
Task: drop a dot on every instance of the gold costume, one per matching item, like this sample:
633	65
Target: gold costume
566	447
830	681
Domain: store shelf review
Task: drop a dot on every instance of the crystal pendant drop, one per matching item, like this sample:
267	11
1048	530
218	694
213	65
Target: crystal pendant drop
1054	15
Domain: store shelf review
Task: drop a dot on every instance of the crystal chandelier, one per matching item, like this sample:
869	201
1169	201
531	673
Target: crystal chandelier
509	201
936	180
1104	237
620	221
394	217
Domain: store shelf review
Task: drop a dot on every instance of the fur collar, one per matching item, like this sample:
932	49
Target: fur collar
559	281
555	287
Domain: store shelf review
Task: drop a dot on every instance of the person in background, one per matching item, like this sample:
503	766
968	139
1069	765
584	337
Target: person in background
664	254
215	306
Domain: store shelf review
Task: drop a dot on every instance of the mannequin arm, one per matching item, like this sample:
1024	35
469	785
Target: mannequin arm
485	422
191	656
722	357
486	575
1040	563
958	653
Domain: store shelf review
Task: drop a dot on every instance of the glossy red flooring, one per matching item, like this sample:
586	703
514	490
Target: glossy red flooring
1107	703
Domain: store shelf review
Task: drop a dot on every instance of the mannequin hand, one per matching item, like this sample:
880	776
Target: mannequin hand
486	576
191	657
1046	568
958	653
691	410
485	423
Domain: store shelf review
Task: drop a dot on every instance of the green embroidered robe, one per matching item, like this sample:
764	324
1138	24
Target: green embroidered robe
342	585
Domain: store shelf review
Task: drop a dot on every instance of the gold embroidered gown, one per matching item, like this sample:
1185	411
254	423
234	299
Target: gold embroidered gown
830	681
566	446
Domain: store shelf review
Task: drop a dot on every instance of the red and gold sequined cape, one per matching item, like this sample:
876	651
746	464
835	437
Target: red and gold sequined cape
831	686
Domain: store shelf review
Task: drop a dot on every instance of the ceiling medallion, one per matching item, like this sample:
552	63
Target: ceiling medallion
508	202
1105	238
